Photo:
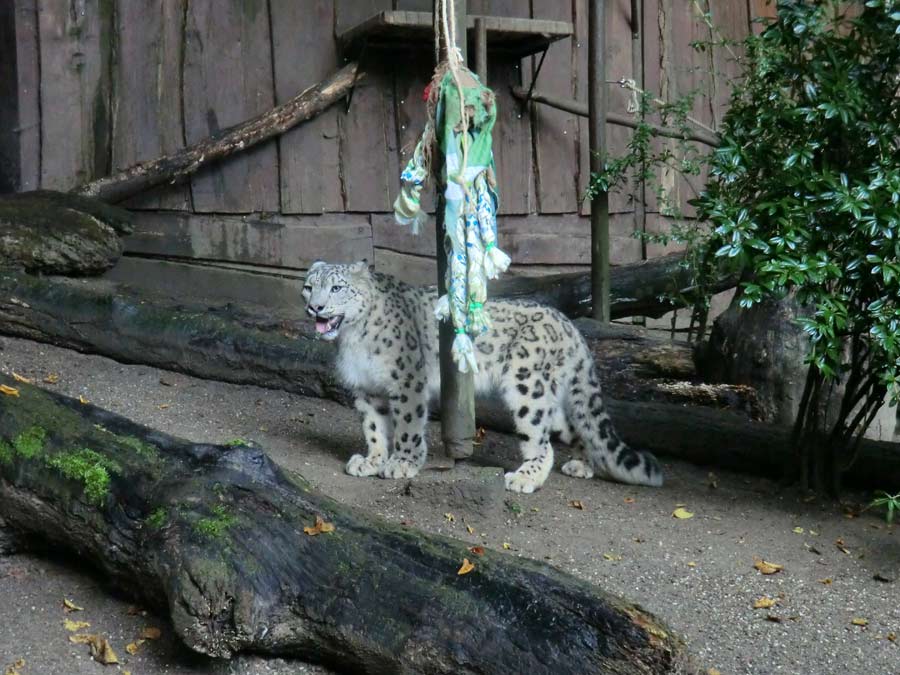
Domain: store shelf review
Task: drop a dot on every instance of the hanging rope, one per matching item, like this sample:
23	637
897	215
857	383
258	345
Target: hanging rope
460	118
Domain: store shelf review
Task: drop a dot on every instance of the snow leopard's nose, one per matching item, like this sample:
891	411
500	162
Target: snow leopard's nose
313	310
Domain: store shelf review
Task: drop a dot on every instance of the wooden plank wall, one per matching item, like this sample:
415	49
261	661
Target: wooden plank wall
104	83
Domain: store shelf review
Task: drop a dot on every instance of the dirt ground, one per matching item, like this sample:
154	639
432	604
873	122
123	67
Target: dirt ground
697	574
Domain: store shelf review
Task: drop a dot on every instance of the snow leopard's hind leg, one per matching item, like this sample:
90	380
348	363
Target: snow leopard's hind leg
377	429
533	406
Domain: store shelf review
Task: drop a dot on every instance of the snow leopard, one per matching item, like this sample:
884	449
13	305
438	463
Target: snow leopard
532	356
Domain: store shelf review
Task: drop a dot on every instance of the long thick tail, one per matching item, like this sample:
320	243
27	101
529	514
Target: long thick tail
607	453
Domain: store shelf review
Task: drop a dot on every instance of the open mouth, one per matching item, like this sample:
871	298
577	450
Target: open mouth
328	327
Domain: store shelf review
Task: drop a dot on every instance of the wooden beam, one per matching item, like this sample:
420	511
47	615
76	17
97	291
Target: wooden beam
576	108
238	138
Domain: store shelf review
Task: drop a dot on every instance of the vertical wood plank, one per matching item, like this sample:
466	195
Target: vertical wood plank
410	84
75	52
618	66
148	114
514	8
555	131
512	140
365	162
28	59
9	100
304	52
227	79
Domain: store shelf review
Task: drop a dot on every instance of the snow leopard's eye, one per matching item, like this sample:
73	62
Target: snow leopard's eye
337	289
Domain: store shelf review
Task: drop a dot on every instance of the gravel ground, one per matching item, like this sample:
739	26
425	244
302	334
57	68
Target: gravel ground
697	574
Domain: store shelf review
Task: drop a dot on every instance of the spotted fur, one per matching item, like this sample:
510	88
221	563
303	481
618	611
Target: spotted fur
533	357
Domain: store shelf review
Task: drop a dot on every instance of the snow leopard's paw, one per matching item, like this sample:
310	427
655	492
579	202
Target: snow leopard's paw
399	467
360	465
577	468
522	481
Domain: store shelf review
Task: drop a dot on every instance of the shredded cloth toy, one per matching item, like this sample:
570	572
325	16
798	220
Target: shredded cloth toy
461	115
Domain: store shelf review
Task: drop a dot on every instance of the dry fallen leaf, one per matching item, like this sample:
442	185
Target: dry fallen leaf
798	530
506	545
692	564
132	647
576	504
470	529
841	547
477	550
826	582
75	626
14	668
320	527
612	557
450	517
480	433
70	606
682	514
101	651
773	618
713	671
52	378
767	567
892	637
82	400
151	633
9	391
628	500
465	568
134	610
764	603
21	378
163	406
859	621
712	481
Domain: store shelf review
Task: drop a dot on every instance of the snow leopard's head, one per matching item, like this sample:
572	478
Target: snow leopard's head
336	296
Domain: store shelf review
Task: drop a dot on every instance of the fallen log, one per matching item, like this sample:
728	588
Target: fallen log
224	540
637	289
230	344
655	404
240	137
57	233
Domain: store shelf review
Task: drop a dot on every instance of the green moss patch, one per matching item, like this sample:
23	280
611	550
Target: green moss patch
235	442
216	526
157	519
30	442
6	452
138	446
89	467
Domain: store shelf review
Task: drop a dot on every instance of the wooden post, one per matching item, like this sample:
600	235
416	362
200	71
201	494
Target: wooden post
457	389
597	126
481	50
637	72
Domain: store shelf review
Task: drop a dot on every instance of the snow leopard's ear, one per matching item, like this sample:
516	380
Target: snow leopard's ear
316	263
361	267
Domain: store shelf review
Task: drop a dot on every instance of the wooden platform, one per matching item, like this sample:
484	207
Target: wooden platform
513	36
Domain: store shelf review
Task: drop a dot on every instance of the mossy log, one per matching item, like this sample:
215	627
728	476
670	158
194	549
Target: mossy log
57	233
647	288
653	392
176	166
215	535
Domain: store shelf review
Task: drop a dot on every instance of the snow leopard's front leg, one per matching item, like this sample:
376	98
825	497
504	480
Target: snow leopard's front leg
408	414
377	429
